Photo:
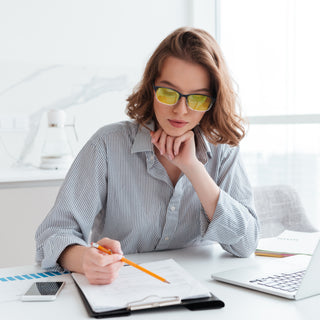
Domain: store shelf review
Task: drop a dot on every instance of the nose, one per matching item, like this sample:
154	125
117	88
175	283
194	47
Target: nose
181	107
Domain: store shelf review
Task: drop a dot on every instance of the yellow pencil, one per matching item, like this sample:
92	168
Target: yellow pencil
274	255
123	259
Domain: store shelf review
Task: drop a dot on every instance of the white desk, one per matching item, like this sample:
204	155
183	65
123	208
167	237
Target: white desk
240	303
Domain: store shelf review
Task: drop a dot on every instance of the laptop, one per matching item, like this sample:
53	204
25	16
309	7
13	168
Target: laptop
290	278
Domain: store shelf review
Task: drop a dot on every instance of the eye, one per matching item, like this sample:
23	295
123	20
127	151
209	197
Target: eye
199	102
167	96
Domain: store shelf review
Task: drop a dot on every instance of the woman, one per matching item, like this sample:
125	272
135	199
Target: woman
169	179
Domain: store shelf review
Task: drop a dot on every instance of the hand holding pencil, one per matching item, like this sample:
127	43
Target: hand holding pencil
97	267
129	262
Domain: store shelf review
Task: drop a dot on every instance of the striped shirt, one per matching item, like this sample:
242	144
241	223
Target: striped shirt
117	188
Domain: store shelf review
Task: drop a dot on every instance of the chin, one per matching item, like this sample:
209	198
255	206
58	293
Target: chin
174	132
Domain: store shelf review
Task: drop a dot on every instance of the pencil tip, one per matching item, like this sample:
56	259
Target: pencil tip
167	282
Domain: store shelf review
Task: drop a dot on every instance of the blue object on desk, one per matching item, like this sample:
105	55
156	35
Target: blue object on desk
31	276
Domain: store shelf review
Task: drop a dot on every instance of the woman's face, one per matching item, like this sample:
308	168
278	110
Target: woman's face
185	77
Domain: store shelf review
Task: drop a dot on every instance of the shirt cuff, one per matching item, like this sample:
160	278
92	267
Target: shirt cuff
52	249
229	222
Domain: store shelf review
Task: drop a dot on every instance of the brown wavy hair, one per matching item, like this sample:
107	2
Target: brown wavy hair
223	122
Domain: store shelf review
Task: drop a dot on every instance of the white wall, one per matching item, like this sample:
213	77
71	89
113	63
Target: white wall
84	56
61	54
94	32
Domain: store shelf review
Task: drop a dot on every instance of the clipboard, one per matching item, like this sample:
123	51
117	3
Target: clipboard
206	303
135	291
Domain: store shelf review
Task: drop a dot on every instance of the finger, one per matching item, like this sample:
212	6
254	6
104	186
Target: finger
156	136
105	275
106	270
169	147
107	260
180	140
176	146
102	280
162	143
94	271
111	244
101	259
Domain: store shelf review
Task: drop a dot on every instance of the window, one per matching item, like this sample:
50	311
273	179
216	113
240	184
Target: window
273	55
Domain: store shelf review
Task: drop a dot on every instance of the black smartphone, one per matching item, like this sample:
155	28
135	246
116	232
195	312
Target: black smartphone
43	291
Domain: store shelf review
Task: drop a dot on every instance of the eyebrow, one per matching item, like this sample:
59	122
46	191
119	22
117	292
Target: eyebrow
168	83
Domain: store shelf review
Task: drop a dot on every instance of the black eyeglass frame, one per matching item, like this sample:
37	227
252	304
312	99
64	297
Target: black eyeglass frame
213	99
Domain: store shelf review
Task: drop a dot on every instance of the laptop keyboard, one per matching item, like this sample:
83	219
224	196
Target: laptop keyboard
285	281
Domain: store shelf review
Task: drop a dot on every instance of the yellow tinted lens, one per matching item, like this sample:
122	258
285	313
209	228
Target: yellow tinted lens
199	102
167	96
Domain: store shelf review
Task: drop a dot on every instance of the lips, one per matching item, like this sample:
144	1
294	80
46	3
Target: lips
177	123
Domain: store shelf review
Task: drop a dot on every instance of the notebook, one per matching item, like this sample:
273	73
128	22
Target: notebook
135	290
288	243
287	277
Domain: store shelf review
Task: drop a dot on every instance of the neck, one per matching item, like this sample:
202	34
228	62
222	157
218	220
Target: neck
172	171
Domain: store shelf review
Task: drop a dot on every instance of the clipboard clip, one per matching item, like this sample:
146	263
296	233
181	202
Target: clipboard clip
153	301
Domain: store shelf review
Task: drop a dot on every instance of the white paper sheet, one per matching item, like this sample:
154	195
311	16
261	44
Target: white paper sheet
133	285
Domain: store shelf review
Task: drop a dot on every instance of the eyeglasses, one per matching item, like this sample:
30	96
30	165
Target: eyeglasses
196	102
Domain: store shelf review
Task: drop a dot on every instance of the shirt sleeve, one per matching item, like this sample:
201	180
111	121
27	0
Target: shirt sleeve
79	201
234	224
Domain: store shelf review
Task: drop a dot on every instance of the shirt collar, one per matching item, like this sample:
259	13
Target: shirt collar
203	149
142	142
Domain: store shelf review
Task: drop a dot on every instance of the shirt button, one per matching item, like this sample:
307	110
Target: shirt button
166	238
151	158
173	208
